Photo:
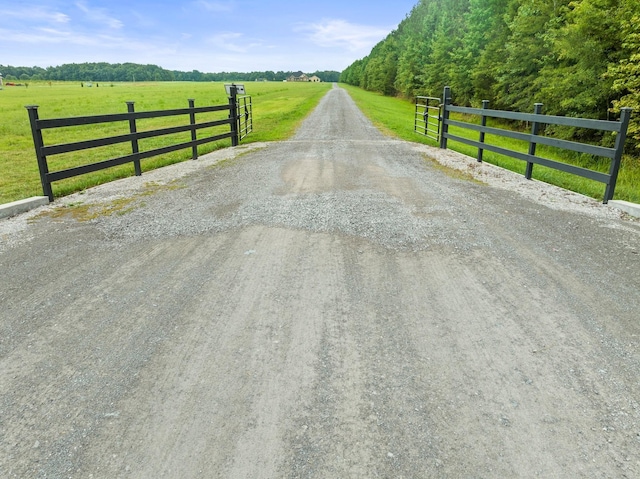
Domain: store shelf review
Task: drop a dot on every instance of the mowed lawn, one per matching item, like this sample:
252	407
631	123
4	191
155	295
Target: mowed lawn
278	108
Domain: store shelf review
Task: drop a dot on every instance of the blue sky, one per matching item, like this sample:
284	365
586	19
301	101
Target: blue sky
205	35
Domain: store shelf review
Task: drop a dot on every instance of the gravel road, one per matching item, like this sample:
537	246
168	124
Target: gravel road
334	306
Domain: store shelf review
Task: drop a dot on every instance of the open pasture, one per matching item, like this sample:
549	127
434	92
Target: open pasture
277	110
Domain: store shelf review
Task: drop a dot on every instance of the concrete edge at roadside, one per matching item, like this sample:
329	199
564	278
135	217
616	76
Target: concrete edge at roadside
22	206
128	185
632	209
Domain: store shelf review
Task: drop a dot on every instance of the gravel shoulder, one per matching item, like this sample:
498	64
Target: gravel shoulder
330	306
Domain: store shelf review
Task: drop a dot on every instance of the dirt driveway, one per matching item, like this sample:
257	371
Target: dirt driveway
334	306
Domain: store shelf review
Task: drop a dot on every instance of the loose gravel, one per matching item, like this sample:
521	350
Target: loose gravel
328	306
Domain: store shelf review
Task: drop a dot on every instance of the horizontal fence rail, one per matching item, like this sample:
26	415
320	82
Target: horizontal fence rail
427	117
239	126
534	138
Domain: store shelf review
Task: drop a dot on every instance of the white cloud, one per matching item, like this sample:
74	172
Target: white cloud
36	14
233	42
60	18
99	43
214	6
100	16
95	34
143	20
340	33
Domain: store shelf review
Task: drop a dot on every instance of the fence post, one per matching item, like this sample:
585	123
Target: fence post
483	123
535	129
625	115
38	143
233	115
425	118
446	101
192	119
134	141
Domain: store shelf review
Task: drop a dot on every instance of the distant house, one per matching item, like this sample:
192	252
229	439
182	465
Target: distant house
315	79
298	76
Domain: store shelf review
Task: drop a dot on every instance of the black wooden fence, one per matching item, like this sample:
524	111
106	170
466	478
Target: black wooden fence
238	117
537	121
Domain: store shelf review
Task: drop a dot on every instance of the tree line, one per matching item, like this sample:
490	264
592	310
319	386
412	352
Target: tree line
577	57
123	72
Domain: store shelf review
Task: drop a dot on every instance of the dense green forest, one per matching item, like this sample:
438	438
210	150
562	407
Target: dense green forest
109	72
577	57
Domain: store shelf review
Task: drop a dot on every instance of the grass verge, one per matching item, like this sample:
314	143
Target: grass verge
395	117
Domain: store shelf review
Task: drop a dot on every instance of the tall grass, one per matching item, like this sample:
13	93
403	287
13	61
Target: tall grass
278	108
395	116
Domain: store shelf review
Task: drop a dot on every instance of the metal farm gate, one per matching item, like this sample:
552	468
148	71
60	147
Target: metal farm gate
244	113
427	117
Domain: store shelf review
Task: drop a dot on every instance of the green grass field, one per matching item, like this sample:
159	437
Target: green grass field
278	108
395	117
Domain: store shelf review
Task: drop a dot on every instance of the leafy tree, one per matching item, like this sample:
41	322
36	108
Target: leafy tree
439	70
533	25
415	35
483	49
583	48
122	72
578	57
625	74
380	71
354	73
